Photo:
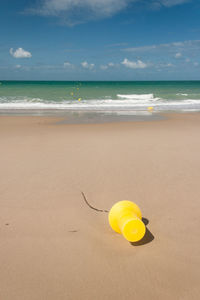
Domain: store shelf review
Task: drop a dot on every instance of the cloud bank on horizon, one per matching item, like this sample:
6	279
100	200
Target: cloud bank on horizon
175	50
74	12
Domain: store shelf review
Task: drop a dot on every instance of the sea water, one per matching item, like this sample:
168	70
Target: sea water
119	97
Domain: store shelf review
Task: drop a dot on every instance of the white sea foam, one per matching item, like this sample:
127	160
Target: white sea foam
137	96
179	94
100	105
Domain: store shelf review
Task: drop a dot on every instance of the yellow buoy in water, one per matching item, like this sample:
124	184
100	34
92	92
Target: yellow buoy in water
150	108
125	217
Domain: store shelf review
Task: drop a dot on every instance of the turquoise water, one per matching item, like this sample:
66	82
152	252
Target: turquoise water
100	96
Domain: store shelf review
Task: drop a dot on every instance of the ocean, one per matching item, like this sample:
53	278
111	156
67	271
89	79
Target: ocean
120	97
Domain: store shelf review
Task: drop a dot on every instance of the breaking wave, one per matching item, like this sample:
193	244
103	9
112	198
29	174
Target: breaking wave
126	102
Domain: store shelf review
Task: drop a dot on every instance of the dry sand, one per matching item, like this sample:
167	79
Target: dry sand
53	246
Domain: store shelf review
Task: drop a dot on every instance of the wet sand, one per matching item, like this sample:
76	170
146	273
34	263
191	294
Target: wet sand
53	246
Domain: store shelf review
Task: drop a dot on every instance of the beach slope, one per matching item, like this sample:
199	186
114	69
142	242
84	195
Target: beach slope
53	246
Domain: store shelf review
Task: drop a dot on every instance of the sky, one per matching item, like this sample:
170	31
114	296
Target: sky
99	39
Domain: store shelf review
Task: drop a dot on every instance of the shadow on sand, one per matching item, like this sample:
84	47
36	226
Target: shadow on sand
148	238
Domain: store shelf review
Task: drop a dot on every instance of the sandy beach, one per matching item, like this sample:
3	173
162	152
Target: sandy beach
53	246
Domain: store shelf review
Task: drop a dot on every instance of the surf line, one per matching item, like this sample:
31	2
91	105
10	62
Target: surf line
92	207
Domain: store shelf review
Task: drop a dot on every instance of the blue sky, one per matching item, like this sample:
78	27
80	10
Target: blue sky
100	39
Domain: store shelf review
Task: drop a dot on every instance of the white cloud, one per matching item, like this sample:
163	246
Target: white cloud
134	64
86	65
161	66
143	48
20	53
104	67
18	66
109	65
187	60
75	12
79	11
168	65
196	64
178	55
175	46
68	65
173	2
116	45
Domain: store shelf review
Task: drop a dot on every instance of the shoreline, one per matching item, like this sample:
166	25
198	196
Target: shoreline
87	117
94	117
